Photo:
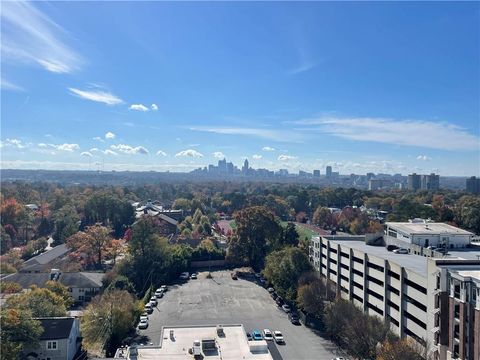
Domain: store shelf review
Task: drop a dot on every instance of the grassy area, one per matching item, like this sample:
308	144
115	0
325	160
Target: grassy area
303	232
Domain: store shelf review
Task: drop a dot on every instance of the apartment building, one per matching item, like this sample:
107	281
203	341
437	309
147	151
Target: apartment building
402	289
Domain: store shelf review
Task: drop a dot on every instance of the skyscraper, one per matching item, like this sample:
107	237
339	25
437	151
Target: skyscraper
245	167
430	182
414	182
473	185
222	166
316	173
328	172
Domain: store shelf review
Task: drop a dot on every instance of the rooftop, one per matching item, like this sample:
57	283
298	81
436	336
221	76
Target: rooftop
234	345
417	228
56	328
415	263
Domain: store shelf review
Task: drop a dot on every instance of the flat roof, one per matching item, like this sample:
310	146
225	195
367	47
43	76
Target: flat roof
472	253
475	274
415	263
234	345
427	228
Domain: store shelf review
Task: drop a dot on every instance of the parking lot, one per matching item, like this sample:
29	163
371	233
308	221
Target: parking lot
221	300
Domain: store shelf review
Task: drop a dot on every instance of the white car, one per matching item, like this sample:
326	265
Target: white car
164	288
267	334
400	251
286	308
143	324
144	317
185	275
159	293
193	276
149	308
153	301
278	337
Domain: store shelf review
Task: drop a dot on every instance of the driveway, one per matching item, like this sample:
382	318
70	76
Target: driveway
221	300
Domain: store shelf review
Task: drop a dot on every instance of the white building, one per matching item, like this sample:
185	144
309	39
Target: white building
402	289
427	234
176	342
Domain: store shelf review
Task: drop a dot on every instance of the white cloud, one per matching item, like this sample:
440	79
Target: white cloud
286	158
30	36
100	96
423	157
109	152
154	107
94	149
86	153
276	135
138	107
189	153
420	133
127	149
67	147
43	145
7	85
16	143
268	148
109	135
98	138
161	153
218	155
257	157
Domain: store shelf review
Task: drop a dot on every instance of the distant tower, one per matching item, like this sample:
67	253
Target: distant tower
414	182
328	172
245	167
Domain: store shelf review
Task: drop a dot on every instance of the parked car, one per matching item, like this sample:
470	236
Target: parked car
274	295
159	293
144	316
392	247
286	308
164	288
279	301
153	301
267	334
400	251
271	290
257	335
149	308
258	275
249	336
143	324
234	276
278	337
193	276
185	275
294	319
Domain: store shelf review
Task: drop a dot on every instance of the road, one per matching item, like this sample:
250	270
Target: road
222	300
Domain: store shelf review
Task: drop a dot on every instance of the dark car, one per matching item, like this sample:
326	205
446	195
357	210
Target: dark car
274	295
249	337
234	276
279	301
294	319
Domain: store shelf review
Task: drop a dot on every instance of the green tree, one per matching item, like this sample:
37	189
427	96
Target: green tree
65	223
311	296
18	330
257	229
61	290
283	269
41	302
469	213
290	235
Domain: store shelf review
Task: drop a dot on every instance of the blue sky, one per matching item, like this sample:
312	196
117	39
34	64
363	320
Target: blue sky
382	87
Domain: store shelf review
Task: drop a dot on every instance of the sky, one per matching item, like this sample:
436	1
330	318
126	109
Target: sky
384	87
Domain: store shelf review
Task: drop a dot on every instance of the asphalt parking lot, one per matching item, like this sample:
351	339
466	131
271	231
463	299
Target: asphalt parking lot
222	300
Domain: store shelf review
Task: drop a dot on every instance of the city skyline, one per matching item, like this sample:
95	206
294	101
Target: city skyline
366	87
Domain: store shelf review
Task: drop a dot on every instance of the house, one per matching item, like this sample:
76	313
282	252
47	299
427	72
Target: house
60	340
45	261
82	286
152	209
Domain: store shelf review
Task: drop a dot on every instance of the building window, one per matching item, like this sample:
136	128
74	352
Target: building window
51	345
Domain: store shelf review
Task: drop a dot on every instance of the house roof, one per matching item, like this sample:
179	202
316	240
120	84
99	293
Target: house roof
77	280
429	228
56	328
46	257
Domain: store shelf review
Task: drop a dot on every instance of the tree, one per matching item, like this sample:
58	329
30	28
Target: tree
65	223
469	213
94	243
108	319
403	349
8	287
41	302
336	318
322	217
283	269
60	290
257	229
17	330
310	297
290	235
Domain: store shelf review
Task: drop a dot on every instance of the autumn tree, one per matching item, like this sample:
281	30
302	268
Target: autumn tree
94	242
108	319
322	217
310	297
256	230
402	349
60	290
18	330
